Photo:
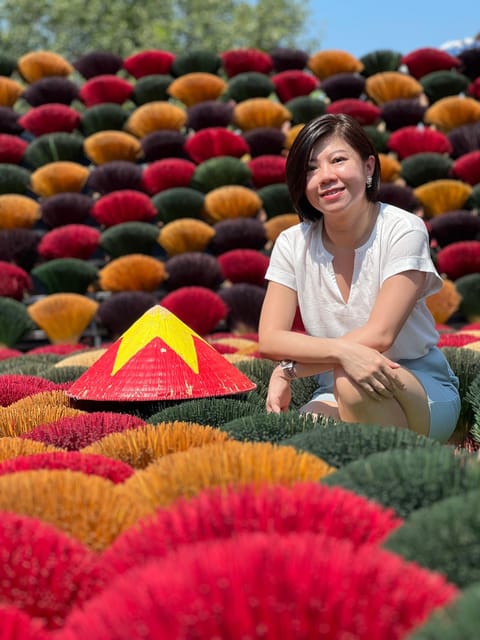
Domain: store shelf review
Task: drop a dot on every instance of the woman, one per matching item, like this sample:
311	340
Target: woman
359	271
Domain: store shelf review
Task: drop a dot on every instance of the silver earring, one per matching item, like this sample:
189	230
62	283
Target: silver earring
369	182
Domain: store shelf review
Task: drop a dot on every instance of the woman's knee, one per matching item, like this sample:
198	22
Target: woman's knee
356	405
347	393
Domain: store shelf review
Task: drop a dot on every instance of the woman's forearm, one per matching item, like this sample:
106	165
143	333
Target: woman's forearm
303	370
309	350
370	337
314	355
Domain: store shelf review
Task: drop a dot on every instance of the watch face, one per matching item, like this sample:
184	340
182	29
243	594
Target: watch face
289	368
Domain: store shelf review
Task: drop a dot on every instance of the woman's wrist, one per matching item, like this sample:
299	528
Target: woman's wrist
341	350
289	369
280	373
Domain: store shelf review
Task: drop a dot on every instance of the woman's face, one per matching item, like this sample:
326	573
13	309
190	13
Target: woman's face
336	176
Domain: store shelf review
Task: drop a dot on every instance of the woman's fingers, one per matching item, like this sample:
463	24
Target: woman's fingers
383	391
383	383
377	391
389	379
275	408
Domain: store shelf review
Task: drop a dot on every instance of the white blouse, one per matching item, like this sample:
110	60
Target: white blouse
399	242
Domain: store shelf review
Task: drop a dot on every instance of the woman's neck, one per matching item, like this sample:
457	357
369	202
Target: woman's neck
348	232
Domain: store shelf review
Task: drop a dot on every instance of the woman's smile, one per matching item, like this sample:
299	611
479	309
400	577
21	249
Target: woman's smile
331	194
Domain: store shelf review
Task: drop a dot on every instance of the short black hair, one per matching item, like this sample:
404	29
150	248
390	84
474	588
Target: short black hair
325	126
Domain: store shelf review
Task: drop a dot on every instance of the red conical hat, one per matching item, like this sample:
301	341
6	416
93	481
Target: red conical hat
159	358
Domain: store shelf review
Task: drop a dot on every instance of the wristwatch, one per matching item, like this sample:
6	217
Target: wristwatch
288	368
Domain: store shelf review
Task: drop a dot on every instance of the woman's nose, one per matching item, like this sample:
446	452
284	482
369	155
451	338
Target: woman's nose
325	174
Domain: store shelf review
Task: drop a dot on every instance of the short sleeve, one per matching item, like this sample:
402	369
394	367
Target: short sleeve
281	268
409	249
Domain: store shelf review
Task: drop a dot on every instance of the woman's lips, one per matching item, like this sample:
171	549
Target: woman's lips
331	193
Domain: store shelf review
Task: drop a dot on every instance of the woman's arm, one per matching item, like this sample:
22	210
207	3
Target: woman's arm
276	339
394	303
362	347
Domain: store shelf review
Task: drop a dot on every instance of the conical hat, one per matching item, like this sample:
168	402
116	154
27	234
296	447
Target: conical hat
159	358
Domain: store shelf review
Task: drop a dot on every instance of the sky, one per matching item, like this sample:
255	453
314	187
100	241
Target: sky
363	26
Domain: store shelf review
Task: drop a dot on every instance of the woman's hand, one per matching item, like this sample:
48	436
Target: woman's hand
372	371
279	393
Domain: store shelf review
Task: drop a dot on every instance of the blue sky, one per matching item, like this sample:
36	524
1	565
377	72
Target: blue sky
362	26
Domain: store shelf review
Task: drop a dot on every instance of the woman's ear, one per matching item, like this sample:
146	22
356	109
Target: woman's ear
371	165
